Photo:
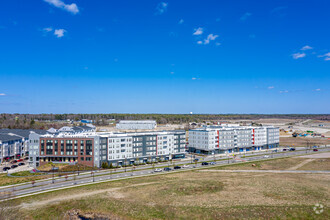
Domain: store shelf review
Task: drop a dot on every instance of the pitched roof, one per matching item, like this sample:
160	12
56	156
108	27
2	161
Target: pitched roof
7	137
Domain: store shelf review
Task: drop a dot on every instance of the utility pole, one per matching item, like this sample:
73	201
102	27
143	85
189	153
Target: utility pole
78	169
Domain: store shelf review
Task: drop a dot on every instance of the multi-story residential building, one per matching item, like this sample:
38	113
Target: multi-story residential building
14	143
232	138
136	125
93	149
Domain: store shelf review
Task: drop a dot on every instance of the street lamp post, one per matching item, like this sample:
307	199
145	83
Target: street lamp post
125	164
53	180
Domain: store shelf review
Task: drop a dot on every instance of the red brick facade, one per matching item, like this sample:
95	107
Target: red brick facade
47	155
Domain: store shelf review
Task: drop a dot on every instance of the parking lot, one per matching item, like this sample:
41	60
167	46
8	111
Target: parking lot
24	167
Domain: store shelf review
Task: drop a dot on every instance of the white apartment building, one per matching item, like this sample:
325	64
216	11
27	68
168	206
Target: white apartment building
94	148
232	138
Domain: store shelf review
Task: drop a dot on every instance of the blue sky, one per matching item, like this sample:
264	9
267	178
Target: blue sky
84	56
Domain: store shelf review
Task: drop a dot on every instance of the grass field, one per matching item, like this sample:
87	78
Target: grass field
280	164
6	180
318	164
276	164
187	195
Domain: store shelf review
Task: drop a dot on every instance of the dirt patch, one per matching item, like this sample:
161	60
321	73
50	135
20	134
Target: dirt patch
111	193
301	164
303	141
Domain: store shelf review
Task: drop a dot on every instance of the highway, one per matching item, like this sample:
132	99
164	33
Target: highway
21	190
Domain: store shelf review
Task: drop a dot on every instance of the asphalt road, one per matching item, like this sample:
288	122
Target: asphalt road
87	178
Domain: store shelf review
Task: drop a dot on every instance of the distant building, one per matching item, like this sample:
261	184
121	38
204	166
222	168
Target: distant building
87	121
136	125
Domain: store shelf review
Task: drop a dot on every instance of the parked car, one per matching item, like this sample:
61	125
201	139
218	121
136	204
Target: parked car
274	151
196	159
158	170
205	163
167	169
19	160
185	166
21	164
292	149
266	156
6	168
14	166
284	149
177	167
13	161
315	150
213	163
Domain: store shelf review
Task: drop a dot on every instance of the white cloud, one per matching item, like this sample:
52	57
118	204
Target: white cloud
306	47
73	8
47	29
209	38
271	87
317	90
172	72
181	21
284	91
217	44
193	78
245	16
326	56
161	8
2	94
198	31
59	32
298	55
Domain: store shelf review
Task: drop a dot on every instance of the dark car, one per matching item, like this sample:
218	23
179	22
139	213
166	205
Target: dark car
177	167
167	169
14	161
315	150
21	164
292	149
14	166
6	168
284	149
196	160
205	163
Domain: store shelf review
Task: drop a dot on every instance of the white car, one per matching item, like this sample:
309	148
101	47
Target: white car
266	156
158	170
185	166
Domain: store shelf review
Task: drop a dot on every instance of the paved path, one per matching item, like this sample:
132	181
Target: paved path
301	164
269	171
318	156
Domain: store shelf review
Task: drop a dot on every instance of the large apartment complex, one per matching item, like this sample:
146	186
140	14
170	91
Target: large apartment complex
14	143
93	149
232	138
